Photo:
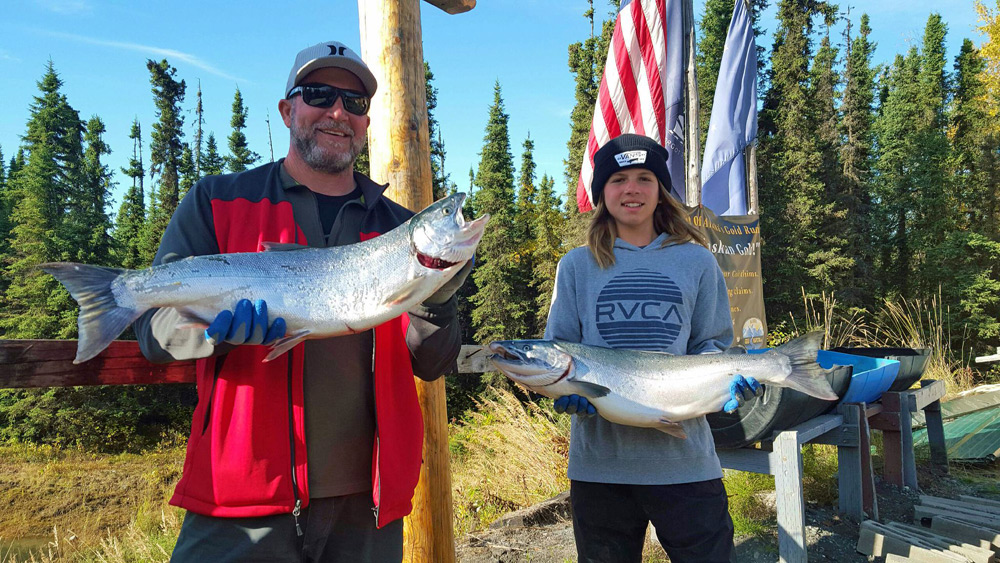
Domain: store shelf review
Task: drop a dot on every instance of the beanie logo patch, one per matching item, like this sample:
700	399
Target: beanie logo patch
630	158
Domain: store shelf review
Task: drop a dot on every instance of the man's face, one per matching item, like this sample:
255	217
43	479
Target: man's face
326	139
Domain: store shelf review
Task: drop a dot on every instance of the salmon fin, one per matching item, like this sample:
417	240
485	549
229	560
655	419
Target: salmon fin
807	375
281	246
675	429
285	344
405	292
590	390
100	320
736	350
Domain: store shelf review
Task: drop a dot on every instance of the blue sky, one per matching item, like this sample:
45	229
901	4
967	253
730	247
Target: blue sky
99	48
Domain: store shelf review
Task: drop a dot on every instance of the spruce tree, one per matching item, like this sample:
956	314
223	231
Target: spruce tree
894	189
35	305
241	157
440	183
97	186
830	266
212	164
975	163
5	202
129	222
165	150
199	132
855	197
964	264
792	197
547	250
524	213
497	314
586	63
934	207
186	169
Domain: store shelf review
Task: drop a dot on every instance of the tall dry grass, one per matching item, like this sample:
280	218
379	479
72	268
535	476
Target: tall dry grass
506	455
916	323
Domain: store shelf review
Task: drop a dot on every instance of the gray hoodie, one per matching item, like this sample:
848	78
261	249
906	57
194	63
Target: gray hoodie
670	299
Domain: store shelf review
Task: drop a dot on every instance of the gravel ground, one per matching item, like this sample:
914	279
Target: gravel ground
544	534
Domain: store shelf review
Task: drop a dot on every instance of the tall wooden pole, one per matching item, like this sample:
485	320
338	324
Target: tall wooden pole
692	130
399	147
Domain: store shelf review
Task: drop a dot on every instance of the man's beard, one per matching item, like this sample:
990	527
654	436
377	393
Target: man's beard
320	158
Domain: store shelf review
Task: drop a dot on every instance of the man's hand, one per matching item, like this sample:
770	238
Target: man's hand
245	324
574	404
446	291
742	389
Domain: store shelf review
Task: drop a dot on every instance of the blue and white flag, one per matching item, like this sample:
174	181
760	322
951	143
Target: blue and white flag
733	125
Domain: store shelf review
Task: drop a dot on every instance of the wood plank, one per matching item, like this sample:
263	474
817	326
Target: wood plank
788	492
474	359
964	531
747	459
453	6
975	553
878	540
927	393
967	506
980	501
49	363
850	472
817	426
907	461
922	511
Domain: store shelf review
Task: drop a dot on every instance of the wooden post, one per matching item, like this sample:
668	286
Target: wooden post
692	131
935	429
399	147
788	489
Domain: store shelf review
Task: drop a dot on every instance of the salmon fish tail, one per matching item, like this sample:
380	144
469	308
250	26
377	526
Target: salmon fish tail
101	319
807	375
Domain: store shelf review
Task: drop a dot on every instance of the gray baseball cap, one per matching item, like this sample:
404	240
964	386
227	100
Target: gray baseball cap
330	54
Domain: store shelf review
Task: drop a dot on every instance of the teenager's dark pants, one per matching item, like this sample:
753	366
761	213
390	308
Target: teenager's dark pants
692	521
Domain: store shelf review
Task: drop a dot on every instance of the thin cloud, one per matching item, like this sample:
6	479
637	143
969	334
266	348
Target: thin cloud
65	7
6	56
169	54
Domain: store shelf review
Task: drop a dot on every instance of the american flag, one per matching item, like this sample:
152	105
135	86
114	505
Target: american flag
642	88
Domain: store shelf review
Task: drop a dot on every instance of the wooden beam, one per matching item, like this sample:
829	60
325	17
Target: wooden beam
453	6
398	143
49	363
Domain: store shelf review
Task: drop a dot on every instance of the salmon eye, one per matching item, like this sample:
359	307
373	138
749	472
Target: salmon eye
446	211
526	347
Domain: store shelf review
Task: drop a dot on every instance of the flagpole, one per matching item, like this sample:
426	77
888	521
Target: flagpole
691	129
752	178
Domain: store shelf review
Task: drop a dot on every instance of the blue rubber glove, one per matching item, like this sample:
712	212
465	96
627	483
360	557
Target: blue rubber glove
742	389
574	404
245	324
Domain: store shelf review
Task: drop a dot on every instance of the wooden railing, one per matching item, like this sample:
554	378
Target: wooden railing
49	363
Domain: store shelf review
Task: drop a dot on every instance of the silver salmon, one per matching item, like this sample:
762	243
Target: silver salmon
652	389
320	292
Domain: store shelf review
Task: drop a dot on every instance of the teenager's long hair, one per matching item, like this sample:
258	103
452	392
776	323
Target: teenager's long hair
667	218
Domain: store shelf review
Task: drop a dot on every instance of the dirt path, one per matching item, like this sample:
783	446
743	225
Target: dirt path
829	536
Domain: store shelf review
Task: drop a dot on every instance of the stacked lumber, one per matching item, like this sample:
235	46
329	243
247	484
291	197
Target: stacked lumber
966	530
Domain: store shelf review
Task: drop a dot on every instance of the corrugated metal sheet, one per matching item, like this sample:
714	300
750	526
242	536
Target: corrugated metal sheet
974	437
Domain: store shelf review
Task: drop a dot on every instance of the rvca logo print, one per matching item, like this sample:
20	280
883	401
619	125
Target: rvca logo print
640	310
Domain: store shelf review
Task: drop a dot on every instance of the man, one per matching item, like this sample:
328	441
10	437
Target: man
313	456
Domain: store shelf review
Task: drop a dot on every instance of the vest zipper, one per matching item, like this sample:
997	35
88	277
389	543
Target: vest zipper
378	458
291	441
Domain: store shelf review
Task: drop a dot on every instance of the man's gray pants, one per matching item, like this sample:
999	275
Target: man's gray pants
335	530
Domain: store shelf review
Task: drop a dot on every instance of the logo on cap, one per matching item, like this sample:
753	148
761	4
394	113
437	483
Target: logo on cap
630	158
337	50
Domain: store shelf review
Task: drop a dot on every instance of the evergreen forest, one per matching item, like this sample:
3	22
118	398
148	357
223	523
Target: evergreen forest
878	184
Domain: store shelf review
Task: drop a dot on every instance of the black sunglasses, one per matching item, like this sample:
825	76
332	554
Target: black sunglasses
324	96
